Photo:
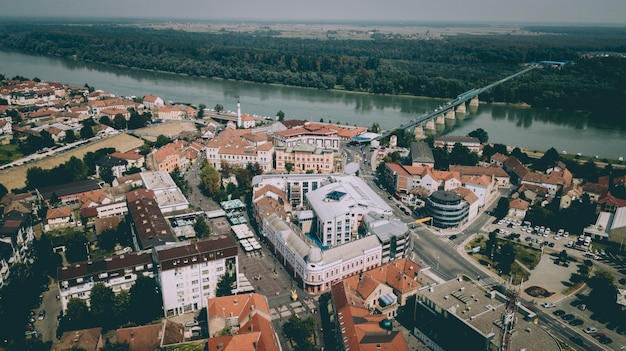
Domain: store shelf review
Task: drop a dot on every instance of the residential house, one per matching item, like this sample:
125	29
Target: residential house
518	208
118	272
116	165
500	177
248	320
188	272
133	158
498	159
151	337
84	339
356	327
515	169
16	236
60	217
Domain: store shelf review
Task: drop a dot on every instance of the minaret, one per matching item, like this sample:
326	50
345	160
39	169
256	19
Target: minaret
239	123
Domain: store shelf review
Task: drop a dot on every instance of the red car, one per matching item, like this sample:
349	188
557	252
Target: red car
599	335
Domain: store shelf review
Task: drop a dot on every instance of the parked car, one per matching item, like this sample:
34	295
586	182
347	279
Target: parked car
576	322
558	313
582	307
42	315
548	304
568	317
590	330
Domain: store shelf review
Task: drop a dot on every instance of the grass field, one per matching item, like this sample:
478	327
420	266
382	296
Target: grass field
15	178
9	153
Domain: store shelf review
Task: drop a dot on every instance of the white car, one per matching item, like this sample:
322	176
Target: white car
548	304
590	330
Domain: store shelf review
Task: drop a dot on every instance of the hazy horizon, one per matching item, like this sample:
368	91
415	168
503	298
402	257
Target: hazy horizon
578	12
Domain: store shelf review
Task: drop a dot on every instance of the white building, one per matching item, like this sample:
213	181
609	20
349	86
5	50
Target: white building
339	208
314	269
188	272
168	195
117	272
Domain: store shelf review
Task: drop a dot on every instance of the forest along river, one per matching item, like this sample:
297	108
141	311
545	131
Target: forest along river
529	128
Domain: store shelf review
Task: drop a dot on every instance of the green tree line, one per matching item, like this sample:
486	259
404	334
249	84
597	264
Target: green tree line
386	65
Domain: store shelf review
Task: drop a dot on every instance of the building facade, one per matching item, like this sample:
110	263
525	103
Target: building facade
188	272
116	272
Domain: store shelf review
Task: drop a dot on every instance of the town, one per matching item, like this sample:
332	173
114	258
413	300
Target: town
136	223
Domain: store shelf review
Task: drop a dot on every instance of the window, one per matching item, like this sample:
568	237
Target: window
194	282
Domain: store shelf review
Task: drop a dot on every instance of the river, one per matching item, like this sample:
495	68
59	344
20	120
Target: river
529	128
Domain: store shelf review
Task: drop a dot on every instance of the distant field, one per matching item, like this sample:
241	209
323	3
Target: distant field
339	31
15	177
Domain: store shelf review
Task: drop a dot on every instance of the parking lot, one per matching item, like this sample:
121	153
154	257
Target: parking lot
567	310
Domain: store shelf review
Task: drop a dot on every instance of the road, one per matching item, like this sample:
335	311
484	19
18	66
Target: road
48	326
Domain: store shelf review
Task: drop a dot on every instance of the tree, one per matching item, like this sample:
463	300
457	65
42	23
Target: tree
137	121
506	258
289	167
45	259
106	120
200	114
201	227
162	140
76	247
86	132
602	295
461	155
281	115
210	179
107	239
300	332
502	209
106	174
77	315
119	122
113	346
70	137
3	190
101	301
218	108
491	244
225	285
480	134
145	300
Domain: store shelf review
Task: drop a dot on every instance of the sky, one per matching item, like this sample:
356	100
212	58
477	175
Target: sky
511	11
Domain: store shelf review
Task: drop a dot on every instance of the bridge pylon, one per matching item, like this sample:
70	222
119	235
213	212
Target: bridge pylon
461	108
430	125
450	114
440	119
474	101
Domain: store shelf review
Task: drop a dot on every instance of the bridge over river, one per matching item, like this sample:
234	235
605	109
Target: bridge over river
448	110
